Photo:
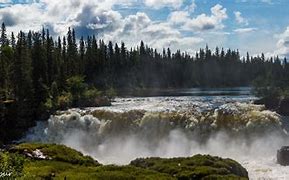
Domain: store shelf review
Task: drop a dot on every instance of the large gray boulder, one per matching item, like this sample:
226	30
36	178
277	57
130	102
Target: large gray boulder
283	156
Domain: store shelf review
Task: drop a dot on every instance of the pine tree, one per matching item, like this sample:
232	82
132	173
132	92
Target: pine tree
82	54
39	71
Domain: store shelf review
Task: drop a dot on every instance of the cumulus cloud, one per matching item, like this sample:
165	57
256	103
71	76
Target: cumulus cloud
17	17
202	22
191	8
5	1
240	19
84	15
157	34
179	17
164	3
283	43
208	22
254	1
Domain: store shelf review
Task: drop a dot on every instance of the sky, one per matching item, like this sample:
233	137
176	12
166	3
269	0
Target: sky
256	26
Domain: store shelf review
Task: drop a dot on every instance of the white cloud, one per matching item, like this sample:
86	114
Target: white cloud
206	22
84	15
283	43
156	34
157	4
17	18
191	8
179	17
5	1
255	1
245	30
240	19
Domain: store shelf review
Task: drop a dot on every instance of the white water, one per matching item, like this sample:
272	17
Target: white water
173	127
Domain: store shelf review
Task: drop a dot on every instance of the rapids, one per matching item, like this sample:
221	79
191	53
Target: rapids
227	126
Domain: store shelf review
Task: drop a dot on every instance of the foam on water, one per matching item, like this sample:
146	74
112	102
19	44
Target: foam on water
173	127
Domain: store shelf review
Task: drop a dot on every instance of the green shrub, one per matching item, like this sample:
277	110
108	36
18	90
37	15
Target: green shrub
64	100
76	87
11	164
111	93
48	104
91	93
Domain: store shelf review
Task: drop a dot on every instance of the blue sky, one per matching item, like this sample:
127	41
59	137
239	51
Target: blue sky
248	25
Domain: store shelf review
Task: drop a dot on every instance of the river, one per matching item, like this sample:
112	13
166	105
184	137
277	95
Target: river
175	123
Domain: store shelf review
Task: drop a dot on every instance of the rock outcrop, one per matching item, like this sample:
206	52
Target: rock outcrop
283	156
196	167
280	105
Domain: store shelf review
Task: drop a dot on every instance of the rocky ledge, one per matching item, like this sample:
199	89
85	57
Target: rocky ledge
51	161
283	156
280	105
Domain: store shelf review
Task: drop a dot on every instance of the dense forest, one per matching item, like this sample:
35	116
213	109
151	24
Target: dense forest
39	73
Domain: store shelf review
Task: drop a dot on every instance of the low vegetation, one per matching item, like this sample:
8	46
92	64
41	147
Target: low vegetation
272	88
196	167
60	162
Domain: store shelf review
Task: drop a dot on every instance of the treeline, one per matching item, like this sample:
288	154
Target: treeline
31	64
38	72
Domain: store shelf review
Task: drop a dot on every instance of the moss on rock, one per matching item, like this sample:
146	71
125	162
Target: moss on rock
54	152
65	163
196	167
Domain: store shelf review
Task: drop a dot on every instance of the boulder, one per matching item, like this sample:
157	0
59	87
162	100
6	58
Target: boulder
269	102
102	101
280	105
283	156
96	102
283	108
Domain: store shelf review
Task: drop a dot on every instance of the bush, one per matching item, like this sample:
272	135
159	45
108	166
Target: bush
91	94
111	93
11	164
64	100
48	104
76	87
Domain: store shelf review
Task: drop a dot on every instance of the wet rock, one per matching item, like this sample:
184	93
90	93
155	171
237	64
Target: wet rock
283	156
283	108
269	102
97	102
280	105
36	154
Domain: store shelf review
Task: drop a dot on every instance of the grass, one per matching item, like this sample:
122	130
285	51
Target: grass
196	167
56	152
66	163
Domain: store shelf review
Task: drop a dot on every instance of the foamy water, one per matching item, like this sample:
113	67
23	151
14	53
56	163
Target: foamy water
173	127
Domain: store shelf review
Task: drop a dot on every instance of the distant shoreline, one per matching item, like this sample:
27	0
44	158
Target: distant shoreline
195	91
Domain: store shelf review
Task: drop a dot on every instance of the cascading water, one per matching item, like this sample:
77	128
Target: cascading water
172	127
